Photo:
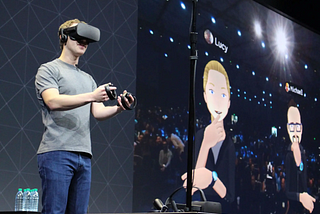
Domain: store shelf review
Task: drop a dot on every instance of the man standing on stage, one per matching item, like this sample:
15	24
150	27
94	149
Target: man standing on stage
67	95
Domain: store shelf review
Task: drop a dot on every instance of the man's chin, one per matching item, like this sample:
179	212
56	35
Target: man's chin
80	53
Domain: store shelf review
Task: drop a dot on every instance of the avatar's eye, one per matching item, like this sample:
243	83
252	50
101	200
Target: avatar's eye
211	91
291	127
223	95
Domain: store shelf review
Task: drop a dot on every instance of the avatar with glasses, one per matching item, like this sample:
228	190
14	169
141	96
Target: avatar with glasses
296	172
294	127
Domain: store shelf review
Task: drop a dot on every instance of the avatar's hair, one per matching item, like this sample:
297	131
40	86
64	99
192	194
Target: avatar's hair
215	65
66	25
292	103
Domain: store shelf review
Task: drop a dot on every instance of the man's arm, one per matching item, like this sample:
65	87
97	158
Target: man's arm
62	102
169	159
102	112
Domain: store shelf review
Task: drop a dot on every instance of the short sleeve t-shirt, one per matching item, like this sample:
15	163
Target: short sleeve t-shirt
64	130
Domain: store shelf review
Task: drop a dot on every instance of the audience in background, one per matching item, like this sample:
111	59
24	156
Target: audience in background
260	172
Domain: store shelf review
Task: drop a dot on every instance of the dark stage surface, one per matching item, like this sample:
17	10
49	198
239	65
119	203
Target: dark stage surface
5	212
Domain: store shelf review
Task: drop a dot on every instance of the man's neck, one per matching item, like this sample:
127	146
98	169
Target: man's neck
69	58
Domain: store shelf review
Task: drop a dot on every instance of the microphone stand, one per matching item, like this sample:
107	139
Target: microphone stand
191	129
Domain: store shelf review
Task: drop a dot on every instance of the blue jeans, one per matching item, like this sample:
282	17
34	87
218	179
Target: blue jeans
66	180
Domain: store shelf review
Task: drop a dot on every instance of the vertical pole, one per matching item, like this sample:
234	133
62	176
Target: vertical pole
191	127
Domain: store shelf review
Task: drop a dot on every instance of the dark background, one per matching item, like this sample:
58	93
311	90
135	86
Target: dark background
304	12
28	37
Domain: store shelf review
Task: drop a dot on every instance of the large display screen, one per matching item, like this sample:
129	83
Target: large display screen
256	146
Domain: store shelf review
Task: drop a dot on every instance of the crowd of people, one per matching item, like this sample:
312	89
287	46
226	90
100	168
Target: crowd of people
160	160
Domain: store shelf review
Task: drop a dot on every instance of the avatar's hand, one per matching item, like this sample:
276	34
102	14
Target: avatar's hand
295	146
296	153
307	201
213	133
202	178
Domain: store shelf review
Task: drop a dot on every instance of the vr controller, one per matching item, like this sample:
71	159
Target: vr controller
79	32
112	94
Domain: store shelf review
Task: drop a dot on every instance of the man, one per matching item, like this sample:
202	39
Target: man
67	95
215	167
165	156
282	200
296	163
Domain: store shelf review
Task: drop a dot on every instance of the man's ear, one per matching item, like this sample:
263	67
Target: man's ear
229	102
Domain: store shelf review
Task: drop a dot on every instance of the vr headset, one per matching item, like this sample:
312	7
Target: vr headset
80	32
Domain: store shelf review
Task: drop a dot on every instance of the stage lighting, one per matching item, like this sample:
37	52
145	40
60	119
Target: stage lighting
183	6
213	20
281	41
257	29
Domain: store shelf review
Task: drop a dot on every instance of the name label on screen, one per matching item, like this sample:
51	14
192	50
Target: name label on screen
220	45
294	89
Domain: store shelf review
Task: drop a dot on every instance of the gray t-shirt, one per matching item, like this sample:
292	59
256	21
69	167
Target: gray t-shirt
215	150
64	130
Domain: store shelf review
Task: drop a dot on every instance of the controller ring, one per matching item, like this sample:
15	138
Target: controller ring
112	94
123	101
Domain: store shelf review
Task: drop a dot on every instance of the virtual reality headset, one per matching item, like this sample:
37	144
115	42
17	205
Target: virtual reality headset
81	32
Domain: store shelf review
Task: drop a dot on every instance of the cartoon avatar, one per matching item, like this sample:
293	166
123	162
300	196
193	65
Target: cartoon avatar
296	171
214	172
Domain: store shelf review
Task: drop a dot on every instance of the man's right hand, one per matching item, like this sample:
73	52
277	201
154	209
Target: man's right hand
100	94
